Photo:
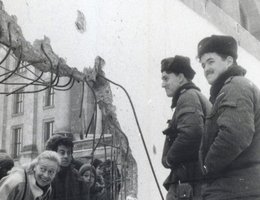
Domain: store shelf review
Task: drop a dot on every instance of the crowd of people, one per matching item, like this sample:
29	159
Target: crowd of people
56	175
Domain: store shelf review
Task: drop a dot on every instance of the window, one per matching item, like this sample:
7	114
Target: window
17	142
49	97
48	130
18	103
21	67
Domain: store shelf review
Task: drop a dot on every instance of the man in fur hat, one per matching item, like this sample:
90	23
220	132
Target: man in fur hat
183	135
230	150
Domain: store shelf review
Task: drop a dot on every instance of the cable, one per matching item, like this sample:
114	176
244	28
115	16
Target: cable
140	131
95	116
17	66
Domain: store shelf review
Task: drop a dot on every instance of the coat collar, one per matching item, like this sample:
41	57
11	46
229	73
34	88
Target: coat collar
181	90
36	191
234	70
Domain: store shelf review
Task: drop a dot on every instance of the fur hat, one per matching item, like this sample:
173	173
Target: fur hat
178	64
220	44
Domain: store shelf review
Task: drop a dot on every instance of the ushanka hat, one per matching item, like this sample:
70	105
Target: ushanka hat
178	64
220	44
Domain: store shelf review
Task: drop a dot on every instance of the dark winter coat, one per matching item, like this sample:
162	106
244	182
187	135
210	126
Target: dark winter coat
183	136
68	185
230	149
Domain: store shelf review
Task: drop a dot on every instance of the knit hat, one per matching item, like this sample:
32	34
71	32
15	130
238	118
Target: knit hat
178	64
88	167
6	161
220	44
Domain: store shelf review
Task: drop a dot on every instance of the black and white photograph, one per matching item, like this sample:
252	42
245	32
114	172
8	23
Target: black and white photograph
129	100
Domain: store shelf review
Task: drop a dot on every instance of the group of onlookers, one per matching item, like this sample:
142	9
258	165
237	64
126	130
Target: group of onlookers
56	175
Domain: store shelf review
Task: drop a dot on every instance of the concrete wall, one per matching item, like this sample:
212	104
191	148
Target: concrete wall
132	36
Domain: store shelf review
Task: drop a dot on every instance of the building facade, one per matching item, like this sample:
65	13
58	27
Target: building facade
30	115
29	119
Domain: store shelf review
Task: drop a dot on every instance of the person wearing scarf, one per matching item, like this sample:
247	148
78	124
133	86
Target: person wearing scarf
230	149
32	181
183	135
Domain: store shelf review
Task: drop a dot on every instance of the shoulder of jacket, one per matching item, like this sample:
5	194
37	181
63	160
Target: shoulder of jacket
237	81
236	88
14	179
238	85
189	96
185	93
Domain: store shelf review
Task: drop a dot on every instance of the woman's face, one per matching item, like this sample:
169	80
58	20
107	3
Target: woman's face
99	171
89	177
45	171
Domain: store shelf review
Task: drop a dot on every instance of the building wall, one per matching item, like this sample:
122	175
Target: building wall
34	114
2	105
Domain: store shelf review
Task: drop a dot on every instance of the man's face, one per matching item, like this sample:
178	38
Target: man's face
65	154
170	82
45	171
213	66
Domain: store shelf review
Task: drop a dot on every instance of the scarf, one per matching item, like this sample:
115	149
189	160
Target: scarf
234	70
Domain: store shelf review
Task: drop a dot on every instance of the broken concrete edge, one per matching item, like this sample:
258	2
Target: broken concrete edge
225	23
40	54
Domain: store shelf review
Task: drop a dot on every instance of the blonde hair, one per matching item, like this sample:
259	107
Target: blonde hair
50	155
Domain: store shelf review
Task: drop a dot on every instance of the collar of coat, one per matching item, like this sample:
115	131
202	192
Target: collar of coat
35	189
182	89
234	70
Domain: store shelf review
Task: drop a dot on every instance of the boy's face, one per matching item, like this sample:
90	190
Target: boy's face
214	65
65	154
170	82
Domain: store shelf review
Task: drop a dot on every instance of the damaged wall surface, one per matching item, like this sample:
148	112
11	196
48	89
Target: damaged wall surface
133	37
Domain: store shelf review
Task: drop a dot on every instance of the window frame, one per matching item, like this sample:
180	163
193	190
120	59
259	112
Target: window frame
18	103
17	141
49	97
46	135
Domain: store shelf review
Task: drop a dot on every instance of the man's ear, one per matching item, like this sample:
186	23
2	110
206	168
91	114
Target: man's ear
230	60
181	78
